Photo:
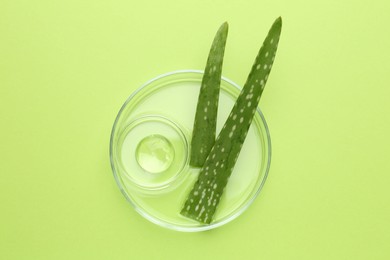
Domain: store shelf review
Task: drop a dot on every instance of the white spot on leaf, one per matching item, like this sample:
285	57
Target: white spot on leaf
262	83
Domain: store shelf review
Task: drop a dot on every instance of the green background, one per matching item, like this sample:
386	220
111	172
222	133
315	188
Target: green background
66	67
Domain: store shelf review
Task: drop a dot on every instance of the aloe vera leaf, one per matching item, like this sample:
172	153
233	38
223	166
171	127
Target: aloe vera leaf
204	197
204	132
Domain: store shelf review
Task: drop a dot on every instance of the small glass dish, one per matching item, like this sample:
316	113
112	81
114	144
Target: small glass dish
150	146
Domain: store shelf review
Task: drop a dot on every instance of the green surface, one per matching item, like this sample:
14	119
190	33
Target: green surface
66	67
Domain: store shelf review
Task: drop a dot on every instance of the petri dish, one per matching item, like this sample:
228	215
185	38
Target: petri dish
150	146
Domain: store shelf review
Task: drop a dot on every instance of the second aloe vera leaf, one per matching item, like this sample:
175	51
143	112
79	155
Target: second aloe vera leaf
204	197
205	123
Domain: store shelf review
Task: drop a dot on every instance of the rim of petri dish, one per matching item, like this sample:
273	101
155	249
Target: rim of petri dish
232	89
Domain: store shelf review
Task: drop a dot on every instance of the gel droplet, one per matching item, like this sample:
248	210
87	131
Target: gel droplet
155	153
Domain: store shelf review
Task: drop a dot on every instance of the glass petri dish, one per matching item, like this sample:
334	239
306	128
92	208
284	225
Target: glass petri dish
150	146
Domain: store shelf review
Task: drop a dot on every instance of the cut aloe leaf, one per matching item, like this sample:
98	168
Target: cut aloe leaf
204	197
205	123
